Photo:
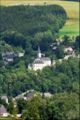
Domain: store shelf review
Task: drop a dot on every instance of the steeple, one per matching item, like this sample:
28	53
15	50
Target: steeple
39	52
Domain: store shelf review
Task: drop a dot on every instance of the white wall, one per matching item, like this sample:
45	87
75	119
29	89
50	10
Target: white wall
41	66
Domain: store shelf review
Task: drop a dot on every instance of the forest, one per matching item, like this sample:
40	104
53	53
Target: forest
30	20
64	77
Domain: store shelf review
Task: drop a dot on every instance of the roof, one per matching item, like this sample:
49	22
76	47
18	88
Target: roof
4	97
30	94
38	60
7	53
45	59
68	49
41	60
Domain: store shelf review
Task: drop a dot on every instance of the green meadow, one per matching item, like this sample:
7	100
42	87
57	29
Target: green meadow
9	118
71	29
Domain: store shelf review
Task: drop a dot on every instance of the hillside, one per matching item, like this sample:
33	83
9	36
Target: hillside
29	20
72	8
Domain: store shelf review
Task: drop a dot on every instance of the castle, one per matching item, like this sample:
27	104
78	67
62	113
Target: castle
40	62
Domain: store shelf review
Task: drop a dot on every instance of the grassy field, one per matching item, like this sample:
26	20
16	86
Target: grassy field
72	8
6	118
9	118
71	28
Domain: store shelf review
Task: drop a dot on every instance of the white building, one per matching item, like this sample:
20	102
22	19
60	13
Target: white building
20	54
40	62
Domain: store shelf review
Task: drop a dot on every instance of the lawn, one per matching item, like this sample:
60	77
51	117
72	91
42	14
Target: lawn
9	118
6	119
71	28
72	8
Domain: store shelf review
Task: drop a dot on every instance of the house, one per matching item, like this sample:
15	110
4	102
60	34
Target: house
8	57
68	50
40	62
30	95
26	95
20	54
3	111
5	98
19	115
47	94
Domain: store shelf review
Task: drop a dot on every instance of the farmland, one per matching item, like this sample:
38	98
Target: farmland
72	8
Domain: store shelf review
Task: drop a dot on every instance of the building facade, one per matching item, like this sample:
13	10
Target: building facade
40	62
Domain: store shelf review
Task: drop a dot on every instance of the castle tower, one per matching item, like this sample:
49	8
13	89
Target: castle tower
39	52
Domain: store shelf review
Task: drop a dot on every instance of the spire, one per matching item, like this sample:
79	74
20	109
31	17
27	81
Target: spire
39	52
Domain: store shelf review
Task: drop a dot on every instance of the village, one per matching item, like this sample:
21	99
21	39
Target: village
40	62
26	96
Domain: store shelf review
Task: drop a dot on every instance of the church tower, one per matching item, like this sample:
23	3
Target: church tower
39	52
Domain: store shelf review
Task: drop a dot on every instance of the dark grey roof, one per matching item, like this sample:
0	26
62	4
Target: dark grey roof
8	55
41	60
4	97
38	61
30	94
45	59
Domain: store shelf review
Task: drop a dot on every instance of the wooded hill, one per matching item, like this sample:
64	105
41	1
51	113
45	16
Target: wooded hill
29	20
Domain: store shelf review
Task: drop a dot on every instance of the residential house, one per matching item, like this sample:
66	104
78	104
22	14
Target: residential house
68	51
3	111
8	57
5	98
